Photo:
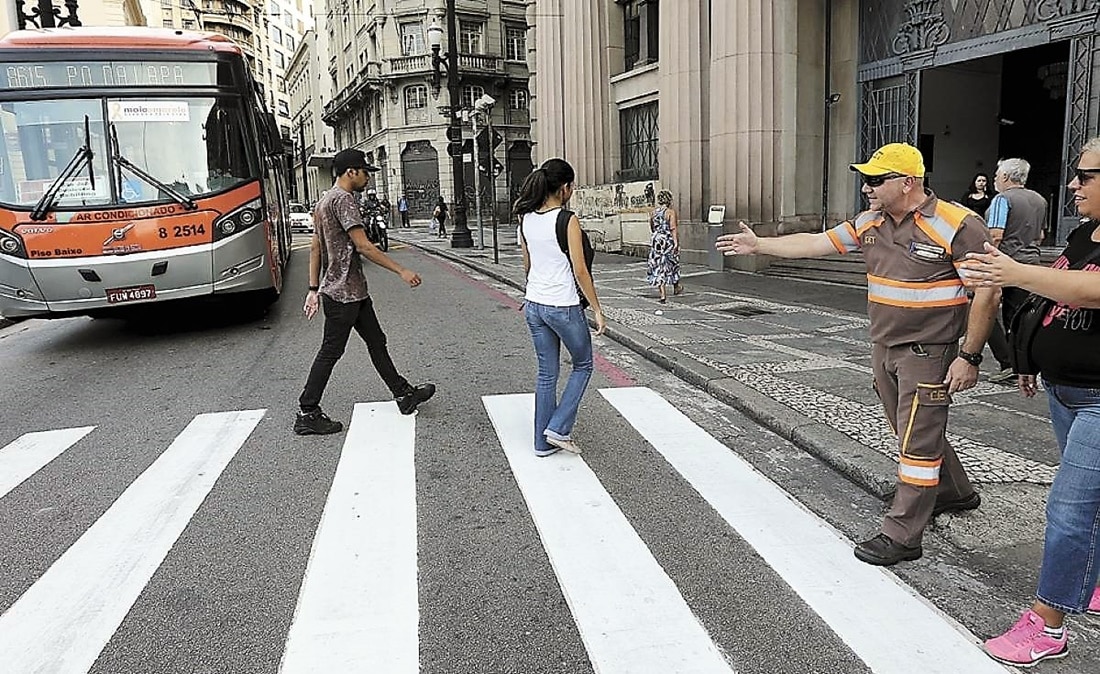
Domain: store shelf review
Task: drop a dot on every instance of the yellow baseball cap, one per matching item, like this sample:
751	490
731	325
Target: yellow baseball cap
900	158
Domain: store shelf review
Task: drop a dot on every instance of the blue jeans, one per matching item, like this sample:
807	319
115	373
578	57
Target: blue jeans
1070	565
550	327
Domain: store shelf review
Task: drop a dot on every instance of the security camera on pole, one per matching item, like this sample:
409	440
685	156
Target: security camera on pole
482	106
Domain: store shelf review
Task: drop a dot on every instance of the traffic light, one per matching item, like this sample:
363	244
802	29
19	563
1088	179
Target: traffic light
454	133
454	148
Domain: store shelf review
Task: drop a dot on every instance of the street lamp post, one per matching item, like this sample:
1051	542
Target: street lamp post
460	233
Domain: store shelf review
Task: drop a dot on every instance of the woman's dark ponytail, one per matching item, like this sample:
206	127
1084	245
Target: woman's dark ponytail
541	184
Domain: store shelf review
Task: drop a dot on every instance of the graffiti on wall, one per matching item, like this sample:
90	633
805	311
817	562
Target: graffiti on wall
601	201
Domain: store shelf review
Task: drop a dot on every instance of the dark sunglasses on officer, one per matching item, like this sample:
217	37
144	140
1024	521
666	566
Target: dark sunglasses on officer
878	181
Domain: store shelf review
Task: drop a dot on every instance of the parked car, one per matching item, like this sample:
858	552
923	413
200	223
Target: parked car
301	220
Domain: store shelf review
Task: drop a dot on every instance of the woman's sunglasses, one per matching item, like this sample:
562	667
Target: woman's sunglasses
878	181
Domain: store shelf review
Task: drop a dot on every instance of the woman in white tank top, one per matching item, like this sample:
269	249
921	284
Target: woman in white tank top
553	304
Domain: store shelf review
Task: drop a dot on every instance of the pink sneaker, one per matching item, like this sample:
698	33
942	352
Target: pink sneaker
1094	603
1025	644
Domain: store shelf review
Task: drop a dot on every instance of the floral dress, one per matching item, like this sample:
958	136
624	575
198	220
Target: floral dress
664	260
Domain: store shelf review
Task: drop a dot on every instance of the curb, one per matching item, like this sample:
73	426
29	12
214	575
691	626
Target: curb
5	322
865	467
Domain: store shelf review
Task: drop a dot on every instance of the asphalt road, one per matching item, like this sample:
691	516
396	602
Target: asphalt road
495	593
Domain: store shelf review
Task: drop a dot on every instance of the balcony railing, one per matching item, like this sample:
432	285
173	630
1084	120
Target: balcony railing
410	64
479	62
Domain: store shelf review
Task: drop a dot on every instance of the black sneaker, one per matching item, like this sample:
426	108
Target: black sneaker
316	423
416	395
885	551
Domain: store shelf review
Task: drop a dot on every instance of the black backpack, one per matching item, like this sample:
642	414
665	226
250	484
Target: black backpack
561	227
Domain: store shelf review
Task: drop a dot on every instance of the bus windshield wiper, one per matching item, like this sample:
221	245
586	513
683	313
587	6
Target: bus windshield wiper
84	155
184	200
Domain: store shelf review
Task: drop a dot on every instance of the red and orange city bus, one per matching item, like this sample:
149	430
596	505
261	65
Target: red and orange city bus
138	165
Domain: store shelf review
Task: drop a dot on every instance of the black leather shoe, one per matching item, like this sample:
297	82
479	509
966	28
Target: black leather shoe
884	551
957	505
408	403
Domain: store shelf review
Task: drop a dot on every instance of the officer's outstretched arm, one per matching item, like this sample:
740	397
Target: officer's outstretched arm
797	245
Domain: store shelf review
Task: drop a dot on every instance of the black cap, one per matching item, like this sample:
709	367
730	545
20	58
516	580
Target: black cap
350	159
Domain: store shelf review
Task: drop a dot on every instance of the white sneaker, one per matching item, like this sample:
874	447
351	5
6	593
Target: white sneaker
564	443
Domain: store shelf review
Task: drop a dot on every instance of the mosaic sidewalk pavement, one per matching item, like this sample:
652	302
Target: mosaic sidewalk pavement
813	361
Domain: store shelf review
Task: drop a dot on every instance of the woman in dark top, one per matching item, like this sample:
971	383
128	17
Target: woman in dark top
979	195
440	214
1066	350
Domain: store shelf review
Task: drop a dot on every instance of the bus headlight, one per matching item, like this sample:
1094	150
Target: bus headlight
238	220
12	244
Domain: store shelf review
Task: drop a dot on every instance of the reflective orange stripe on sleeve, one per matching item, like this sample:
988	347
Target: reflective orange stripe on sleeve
843	238
919	473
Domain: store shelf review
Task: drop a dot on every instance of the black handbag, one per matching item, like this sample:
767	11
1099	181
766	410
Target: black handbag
1027	320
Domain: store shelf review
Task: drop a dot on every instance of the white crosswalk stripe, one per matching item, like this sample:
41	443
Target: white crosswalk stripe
358	601
630	615
28	453
64	620
868	607
359	608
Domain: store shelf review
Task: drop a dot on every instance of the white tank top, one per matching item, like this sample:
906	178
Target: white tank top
551	279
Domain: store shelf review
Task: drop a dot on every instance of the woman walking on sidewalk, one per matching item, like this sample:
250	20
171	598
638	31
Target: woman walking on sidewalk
553	305
664	247
1066	350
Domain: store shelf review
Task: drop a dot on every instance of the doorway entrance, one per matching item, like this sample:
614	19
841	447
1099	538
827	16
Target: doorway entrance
1010	105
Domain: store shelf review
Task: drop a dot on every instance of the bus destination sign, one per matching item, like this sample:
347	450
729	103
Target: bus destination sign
86	74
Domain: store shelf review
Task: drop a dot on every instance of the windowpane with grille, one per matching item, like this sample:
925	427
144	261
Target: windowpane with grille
640	133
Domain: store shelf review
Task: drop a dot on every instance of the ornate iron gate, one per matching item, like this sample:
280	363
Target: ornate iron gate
420	164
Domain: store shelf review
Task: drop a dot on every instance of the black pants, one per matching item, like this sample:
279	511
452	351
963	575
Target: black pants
1011	301
404	218
340	318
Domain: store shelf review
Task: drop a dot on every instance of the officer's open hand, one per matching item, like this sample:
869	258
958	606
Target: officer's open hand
312	302
743	242
410	277
961	376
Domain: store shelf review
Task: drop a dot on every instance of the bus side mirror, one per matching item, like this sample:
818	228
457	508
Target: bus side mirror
273	136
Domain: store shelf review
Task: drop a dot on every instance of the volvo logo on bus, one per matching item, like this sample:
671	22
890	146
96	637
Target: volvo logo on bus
118	234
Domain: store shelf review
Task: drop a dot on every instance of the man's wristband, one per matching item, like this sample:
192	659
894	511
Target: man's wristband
314	289
974	359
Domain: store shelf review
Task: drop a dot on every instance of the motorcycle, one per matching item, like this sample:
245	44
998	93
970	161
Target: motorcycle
381	236
377	230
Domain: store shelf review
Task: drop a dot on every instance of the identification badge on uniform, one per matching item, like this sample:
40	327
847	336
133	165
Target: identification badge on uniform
927	251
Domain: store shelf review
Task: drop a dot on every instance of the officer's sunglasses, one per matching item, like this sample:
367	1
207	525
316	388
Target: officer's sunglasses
878	181
1084	175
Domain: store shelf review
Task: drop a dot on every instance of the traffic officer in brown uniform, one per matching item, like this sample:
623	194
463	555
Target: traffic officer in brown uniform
913	245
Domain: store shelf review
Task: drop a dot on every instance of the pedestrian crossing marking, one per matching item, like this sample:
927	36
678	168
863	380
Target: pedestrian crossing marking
358	606
30	452
64	620
892	629
630	615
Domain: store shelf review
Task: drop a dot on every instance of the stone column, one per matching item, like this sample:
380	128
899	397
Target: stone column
685	106
584	89
545	62
753	107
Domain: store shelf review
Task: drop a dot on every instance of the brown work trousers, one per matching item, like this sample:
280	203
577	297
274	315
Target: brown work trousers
909	381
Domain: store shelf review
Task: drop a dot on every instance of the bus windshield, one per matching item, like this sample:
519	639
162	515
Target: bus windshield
196	145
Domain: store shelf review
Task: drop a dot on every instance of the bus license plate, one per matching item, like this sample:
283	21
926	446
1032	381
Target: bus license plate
131	294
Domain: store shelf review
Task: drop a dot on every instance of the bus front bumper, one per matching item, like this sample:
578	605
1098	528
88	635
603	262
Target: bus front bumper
71	286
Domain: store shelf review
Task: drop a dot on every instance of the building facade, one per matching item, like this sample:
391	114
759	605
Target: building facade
760	105
386	101
310	88
90	12
722	103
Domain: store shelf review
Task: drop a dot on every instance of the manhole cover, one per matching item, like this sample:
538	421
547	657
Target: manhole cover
745	311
